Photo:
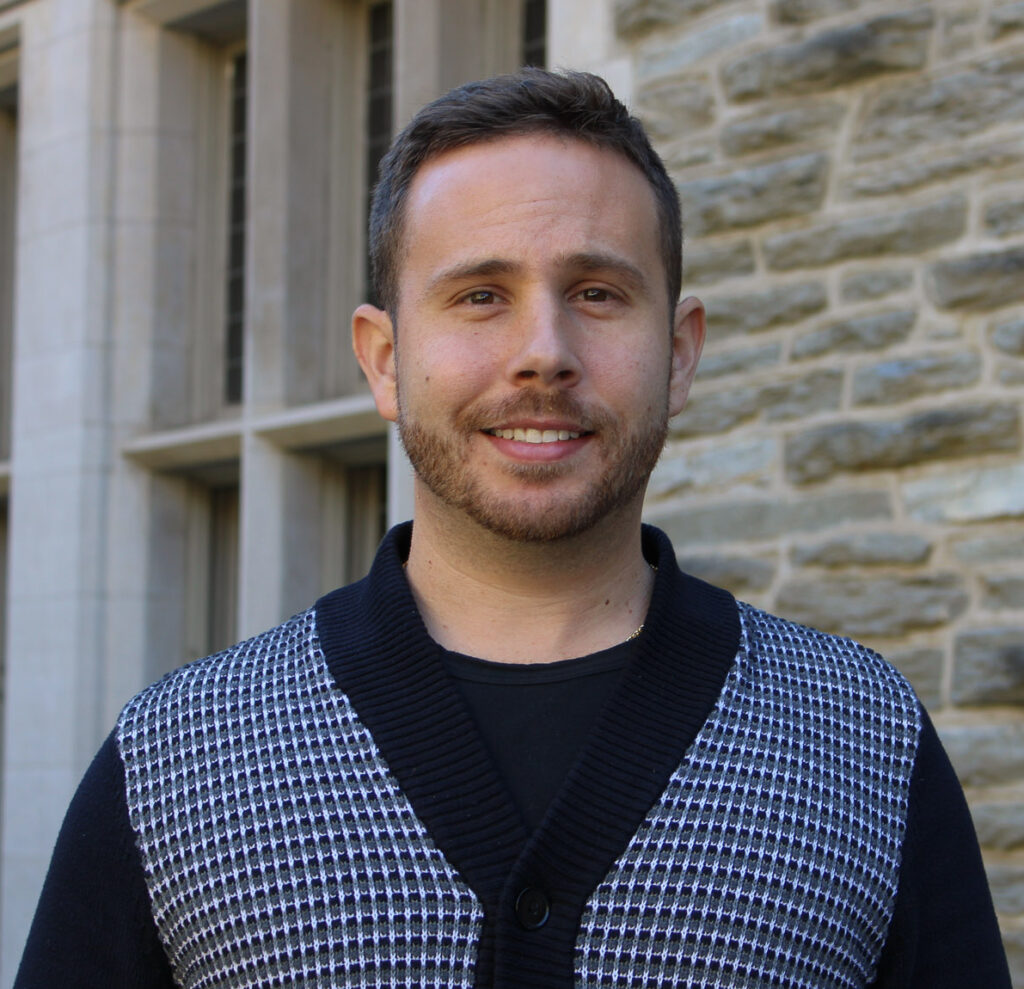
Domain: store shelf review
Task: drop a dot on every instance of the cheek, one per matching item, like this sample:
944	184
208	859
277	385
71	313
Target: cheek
640	371
442	375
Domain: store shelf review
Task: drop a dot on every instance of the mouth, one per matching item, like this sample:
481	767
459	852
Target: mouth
530	435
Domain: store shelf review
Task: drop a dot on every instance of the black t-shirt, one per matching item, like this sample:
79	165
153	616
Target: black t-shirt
534	717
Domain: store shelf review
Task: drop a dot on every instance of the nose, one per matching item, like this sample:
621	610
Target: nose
546	354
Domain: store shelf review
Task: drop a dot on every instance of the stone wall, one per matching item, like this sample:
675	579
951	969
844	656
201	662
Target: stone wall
853	183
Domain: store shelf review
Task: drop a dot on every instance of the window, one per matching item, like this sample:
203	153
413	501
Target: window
193	101
8	168
535	14
354	492
211	566
8	163
379	100
221	619
235	270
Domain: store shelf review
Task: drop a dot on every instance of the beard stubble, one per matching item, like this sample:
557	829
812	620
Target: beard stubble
441	461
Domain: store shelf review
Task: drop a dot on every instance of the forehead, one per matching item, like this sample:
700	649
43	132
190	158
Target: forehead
525	197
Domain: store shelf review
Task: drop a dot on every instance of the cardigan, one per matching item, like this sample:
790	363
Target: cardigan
312	808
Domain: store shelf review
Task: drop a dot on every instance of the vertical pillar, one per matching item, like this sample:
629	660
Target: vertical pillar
61	442
290	61
152	221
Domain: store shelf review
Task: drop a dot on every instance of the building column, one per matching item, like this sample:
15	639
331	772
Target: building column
292	101
61	438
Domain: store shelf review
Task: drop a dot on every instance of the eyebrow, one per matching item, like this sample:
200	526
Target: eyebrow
589	261
584	261
472	269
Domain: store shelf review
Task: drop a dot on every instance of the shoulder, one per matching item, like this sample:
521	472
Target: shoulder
226	679
841	684
817	655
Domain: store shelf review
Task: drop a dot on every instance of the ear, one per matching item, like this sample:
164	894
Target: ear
689	327
373	340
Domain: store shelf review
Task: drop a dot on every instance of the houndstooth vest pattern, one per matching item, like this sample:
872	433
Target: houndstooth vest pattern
279	849
773	856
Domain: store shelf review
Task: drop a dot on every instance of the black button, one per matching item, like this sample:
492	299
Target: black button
532	908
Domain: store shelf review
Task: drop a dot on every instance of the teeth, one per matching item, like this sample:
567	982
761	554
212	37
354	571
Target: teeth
535	435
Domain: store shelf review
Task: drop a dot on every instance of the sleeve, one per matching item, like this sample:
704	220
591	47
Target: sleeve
943	933
93	927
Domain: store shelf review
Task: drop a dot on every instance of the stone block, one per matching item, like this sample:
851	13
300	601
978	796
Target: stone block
752	312
704	263
1001	545
958	30
874	606
1010	374
718	411
923	668
734	573
638	17
1005	20
686	153
1013	942
901	380
755	195
978	281
971	495
710	412
738	361
1003	592
1005	216
939	434
682	51
874	548
803	11
1000	826
769	519
988	666
914	171
858	286
677	105
909	231
1006	883
724	465
989	753
796	125
875	331
833	58
1008	337
938	109
820	391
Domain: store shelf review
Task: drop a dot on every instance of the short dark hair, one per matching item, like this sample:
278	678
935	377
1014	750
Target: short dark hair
579	105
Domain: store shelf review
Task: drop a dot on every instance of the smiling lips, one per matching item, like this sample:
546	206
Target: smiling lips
535	435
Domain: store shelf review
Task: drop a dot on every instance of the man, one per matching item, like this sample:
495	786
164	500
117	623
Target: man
526	750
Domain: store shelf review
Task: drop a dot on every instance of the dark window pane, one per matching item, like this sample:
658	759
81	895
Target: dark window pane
379	99
380	114
380	24
535	15
234	317
380	69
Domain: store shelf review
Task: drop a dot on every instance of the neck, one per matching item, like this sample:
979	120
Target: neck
487	596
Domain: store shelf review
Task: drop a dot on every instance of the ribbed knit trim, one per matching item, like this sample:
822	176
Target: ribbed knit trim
380	654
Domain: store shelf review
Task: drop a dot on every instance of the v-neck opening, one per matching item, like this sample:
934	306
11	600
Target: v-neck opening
380	655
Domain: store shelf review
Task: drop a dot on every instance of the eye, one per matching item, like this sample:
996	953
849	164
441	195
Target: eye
594	295
480	298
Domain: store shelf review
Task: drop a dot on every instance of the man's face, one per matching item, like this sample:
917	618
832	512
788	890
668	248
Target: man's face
535	367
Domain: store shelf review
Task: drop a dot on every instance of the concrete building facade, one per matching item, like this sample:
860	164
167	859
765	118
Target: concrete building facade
188	453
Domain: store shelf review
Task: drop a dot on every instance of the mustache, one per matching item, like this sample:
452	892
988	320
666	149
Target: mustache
560	405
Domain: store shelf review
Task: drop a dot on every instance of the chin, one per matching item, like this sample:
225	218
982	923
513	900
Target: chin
532	519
